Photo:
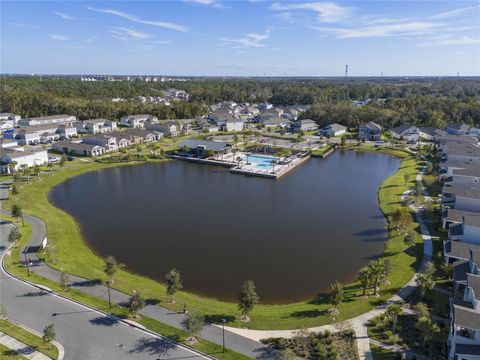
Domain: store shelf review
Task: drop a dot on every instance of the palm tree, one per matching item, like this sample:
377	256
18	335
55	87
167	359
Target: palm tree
393	310
273	165
12	166
36	171
337	294
364	277
427	329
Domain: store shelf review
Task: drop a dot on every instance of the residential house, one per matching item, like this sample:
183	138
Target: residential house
457	129
29	158
430	133
370	131
169	128
140	136
462	197
96	126
134	121
407	132
333	130
77	148
277	122
464	337
9	143
26	136
232	124
107	141
304	125
264	106
47	120
468	230
10	117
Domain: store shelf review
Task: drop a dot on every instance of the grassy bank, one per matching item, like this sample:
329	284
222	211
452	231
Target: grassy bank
73	256
28	338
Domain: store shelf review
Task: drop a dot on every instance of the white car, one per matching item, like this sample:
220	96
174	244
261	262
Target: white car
53	159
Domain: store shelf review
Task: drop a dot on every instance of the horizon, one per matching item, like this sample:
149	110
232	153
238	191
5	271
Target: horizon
215	38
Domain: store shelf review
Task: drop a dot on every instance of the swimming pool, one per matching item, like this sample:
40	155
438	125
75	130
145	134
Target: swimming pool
261	162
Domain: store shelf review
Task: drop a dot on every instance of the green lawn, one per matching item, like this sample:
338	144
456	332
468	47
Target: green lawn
28	338
73	256
8	354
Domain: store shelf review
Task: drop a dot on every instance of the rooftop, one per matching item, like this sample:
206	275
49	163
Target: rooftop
459	249
467	318
205	144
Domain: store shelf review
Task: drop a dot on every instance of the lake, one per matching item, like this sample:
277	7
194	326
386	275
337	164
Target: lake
293	236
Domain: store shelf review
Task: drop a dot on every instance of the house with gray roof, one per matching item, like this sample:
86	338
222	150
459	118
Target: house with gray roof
462	197
47	120
407	132
77	148
430	133
370	131
202	148
333	130
96	126
457	129
29	158
468	230
304	125
134	121
277	122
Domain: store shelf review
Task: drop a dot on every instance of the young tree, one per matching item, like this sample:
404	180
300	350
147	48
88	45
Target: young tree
64	281
174	283
49	334
14	235
337	294
14	190
247	298
12	166
111	267
393	310
50	167
36	171
364	278
135	304
421	310
193	323
406	177
62	161
17	212
401	219
427	328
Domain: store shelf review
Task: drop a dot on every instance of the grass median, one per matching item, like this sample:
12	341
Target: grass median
74	257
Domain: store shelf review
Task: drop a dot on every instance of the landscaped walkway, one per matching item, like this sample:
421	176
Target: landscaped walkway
24	350
244	341
360	322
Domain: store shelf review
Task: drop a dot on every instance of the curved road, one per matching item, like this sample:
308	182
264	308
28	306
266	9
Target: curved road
84	333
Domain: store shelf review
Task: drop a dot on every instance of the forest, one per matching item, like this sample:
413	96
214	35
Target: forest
420	101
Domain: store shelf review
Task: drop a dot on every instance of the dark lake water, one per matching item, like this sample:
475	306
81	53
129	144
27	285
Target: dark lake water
293	236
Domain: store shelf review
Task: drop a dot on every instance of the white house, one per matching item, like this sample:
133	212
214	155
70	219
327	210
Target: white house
29	158
468	230
407	132
277	122
233	124
430	133
46	120
333	130
96	126
370	131
10	117
462	197
133	121
304	125
169	128
26	136
75	148
107	141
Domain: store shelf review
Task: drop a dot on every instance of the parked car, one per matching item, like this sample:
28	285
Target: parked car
53	159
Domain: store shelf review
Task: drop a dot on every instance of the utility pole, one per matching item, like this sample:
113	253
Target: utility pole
346	80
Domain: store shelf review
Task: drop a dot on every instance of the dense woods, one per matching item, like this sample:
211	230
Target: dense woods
421	101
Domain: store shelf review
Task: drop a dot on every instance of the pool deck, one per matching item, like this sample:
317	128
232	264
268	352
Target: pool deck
236	169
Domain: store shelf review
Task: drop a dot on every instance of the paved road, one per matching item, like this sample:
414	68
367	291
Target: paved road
238	343
83	332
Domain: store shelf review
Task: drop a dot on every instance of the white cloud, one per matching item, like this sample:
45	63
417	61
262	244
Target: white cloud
123	33
91	38
23	25
249	40
449	39
212	3
328	12
59	37
162	42
63	16
410	28
162	24
456	12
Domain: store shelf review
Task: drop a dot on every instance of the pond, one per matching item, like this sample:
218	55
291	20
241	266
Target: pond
293	236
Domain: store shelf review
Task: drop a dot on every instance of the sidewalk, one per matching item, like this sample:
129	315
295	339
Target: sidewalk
24	350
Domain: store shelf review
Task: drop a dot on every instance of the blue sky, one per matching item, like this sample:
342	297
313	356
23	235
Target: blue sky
215	37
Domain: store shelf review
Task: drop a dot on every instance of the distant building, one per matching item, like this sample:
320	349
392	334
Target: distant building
29	158
370	131
304	125
134	121
169	128
277	122
47	120
82	149
96	126
333	130
201	148
407	132
430	133
457	129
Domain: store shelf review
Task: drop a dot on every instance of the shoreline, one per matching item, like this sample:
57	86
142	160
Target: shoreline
203	303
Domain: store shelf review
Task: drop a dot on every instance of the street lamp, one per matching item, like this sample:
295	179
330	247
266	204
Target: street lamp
223	335
26	262
109	299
